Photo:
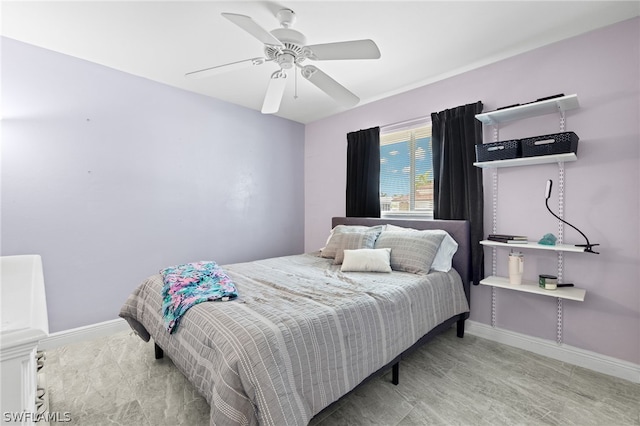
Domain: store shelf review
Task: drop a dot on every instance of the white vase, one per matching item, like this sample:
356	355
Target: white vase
516	268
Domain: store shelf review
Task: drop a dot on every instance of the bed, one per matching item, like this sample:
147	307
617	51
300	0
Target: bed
302	332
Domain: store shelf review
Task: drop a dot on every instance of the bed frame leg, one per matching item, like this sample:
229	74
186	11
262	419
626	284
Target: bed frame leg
460	328
158	351
395	373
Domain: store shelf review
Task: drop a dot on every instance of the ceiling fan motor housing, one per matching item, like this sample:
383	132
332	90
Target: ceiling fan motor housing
292	51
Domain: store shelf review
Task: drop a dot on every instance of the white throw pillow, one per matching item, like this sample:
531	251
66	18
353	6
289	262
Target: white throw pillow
367	260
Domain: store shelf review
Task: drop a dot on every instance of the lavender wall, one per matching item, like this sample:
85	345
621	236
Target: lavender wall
110	177
602	187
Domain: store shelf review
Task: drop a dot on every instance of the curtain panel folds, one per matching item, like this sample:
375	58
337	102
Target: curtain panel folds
458	191
363	173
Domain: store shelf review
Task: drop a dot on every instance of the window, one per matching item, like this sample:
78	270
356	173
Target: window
406	171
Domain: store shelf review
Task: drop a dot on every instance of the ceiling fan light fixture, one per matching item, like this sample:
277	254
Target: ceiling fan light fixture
286	60
279	74
307	71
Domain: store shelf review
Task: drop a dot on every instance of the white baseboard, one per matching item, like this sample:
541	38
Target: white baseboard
82	334
565	353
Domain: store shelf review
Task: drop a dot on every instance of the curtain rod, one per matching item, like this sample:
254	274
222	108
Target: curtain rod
405	123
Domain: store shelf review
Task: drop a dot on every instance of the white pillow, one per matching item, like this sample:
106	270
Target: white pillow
367	260
444	255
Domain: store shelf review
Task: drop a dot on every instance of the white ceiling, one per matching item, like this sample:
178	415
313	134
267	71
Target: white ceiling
420	41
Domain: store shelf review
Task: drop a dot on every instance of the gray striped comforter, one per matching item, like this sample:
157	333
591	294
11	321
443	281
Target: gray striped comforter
301	334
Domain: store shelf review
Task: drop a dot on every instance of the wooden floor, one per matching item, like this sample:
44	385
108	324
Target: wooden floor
450	381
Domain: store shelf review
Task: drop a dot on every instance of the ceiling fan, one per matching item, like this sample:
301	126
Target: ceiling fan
287	48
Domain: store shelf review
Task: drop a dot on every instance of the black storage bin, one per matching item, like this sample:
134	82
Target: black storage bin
498	150
557	143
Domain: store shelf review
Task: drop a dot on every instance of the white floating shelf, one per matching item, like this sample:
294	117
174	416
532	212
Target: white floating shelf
563	103
570	293
528	161
534	246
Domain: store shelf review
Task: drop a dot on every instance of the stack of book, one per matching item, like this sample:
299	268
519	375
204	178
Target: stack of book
509	239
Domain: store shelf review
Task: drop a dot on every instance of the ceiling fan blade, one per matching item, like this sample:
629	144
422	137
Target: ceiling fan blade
356	49
328	85
275	91
220	69
250	26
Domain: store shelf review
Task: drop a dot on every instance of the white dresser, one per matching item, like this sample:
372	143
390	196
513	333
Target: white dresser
24	325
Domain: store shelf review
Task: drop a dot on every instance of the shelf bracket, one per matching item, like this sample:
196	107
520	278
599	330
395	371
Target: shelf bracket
494	227
560	223
494	214
559	322
559	315
493	307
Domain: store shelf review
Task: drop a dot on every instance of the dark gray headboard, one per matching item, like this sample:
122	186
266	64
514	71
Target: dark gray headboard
458	229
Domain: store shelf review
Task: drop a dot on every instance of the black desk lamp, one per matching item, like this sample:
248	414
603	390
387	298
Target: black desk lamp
587	247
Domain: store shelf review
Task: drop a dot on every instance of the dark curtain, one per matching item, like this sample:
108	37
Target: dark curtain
457	192
363	173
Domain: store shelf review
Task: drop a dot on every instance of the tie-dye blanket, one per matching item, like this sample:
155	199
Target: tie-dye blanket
192	283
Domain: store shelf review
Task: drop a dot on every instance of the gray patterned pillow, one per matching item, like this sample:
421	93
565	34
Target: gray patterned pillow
448	247
354	241
329	251
410	251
